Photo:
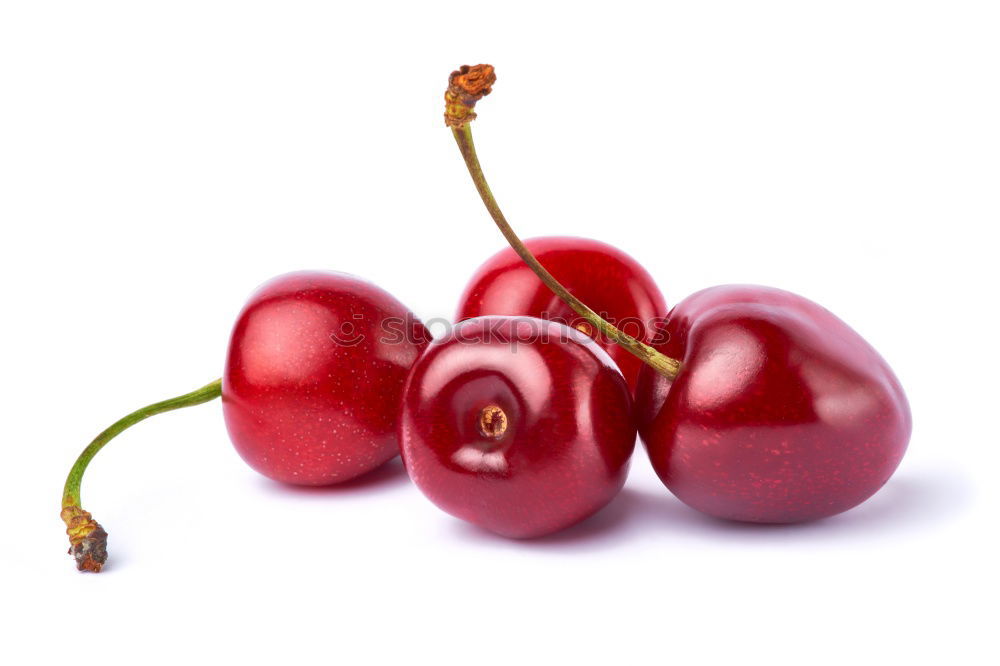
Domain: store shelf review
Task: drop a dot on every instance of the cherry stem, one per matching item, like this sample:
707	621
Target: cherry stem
467	86
88	540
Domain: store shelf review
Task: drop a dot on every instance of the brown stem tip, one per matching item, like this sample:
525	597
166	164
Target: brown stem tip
492	422
466	86
88	542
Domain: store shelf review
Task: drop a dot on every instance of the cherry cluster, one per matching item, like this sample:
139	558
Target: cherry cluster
754	404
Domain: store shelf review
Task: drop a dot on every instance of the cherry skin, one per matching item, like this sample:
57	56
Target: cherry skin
780	412
314	374
521	426
611	282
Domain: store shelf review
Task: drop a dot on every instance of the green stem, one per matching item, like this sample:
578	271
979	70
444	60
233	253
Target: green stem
661	363
71	492
88	542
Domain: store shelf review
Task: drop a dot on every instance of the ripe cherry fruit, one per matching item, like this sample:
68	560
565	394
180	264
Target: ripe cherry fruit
608	280
314	373
780	412
776	411
521	426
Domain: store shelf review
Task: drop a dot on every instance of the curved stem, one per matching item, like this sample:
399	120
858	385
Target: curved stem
88	540
660	362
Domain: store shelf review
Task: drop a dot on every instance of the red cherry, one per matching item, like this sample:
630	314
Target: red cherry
518	425
311	391
780	412
314	374
611	282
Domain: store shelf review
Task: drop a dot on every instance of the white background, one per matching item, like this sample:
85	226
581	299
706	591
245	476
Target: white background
160	160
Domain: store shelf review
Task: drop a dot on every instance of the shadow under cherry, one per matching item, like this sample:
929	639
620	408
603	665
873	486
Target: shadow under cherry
910	503
389	475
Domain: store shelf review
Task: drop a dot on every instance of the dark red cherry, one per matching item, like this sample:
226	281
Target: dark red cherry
518	425
780	412
314	374
612	283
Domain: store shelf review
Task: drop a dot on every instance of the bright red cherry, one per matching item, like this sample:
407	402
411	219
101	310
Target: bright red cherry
611	282
311	390
518	425
314	374
780	412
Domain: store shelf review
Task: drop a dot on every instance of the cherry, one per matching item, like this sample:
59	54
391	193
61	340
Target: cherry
776	411
518	425
780	412
313	376
604	277
311	390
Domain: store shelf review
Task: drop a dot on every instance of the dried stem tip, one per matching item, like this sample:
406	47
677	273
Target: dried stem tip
492	422
88	542
466	86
